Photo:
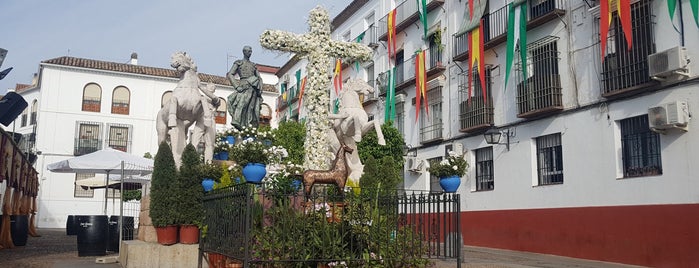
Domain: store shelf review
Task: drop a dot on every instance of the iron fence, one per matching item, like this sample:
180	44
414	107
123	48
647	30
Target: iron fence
258	225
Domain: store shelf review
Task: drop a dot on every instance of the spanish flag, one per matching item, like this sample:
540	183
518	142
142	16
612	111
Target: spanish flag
624	10
391	33
420	83
337	77
303	86
475	51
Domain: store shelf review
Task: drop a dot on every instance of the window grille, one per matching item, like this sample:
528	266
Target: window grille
431	124
542	87
79	191
477	112
623	68
640	148
120	137
400	120
87	138
35	108
435	53
549	159
484	169
400	66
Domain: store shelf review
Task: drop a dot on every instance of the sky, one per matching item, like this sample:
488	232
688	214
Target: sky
212	32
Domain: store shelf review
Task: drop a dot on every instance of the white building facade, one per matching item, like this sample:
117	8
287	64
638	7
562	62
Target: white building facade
597	148
78	106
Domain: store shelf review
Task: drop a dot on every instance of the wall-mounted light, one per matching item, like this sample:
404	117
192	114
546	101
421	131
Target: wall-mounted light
409	151
493	135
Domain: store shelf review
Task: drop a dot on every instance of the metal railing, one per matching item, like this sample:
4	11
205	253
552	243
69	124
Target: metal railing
281	227
431	125
477	112
86	146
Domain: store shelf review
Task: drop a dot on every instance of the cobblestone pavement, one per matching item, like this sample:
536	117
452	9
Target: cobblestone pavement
53	249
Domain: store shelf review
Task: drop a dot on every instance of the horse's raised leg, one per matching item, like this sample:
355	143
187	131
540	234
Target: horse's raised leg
172	113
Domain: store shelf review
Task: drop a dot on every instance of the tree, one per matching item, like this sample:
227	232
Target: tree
291	135
190	191
163	188
369	145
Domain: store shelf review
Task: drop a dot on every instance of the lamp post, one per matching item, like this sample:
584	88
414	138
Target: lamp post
409	151
492	136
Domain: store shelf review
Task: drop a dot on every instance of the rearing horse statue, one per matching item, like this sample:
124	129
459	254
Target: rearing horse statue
186	107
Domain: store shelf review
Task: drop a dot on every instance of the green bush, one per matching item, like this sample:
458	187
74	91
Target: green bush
163	188
369	146
190	192
291	135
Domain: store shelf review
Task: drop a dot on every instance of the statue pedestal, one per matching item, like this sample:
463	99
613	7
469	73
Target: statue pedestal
136	254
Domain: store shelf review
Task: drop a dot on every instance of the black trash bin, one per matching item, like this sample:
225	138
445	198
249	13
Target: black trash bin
92	235
19	229
127	233
72	225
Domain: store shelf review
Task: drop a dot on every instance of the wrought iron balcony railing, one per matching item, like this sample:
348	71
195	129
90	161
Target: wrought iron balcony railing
539	95
406	14
474	113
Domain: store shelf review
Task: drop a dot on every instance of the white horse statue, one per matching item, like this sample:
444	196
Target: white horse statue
186	107
351	123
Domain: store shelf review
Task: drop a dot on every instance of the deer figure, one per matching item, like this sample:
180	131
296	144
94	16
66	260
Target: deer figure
337	174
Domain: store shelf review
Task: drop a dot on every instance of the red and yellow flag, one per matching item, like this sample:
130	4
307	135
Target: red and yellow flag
303	86
623	8
337	77
420	83
475	51
391	33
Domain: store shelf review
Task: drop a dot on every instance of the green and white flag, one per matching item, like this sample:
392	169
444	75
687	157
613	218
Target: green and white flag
516	31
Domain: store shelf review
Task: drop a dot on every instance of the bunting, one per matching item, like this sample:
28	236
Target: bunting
694	4
358	40
303	86
517	30
336	106
422	11
475	51
623	8
298	86
420	83
337	77
391	33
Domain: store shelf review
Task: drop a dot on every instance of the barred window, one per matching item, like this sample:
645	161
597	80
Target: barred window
475	113
79	191
431	124
400	121
120	137
87	138
484	169
549	159
35	109
640	148
434	180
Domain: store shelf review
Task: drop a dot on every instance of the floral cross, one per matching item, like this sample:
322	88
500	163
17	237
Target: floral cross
318	47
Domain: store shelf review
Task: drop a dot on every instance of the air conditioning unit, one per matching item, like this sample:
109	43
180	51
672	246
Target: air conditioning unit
671	64
668	116
414	165
285	78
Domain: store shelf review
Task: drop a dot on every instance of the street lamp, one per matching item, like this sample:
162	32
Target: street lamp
409	151
492	136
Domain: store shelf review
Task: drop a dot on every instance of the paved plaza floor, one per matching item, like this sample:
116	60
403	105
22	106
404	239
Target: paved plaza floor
55	249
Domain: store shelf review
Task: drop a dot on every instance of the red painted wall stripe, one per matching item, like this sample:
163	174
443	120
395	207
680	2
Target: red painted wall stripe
649	235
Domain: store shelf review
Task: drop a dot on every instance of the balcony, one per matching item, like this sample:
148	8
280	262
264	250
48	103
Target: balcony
539	95
86	145
405	77
476	115
495	25
406	15
371	38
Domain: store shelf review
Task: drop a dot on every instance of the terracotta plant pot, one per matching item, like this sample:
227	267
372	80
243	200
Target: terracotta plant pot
216	260
189	234
167	235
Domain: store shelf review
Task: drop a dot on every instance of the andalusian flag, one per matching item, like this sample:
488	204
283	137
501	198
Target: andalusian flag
298	87
420	83
517	30
359	40
391	33
422	11
337	77
336	106
303	86
390	111
623	8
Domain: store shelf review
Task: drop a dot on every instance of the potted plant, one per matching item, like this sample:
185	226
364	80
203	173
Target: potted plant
221	148
449	171
254	152
189	196
210	173
163	196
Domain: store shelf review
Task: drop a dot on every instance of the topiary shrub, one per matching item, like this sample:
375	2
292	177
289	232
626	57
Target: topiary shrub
190	191
163	188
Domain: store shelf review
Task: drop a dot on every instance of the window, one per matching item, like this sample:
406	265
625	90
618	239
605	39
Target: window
370	75
434	180
431	124
120	100
484	169
119	137
435	52
92	98
265	114
165	98
35	108
400	74
624	68
549	154
24	117
640	148
88	137
541	89
346	36
400	122
79	191
477	114
221	111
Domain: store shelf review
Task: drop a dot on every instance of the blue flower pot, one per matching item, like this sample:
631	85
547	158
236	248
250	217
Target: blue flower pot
296	184
254	172
223	156
230	139
208	184
450	184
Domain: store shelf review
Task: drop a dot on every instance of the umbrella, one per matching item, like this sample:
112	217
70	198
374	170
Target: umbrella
132	181
104	162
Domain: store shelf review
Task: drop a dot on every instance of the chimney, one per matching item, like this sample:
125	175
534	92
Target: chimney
35	79
134	59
